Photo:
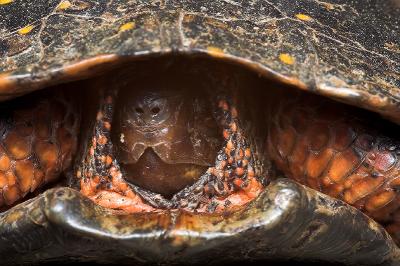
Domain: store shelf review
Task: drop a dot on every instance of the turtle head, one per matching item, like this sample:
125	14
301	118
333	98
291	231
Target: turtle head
165	134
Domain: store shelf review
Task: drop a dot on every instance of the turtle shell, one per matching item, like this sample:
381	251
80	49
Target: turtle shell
345	50
348	51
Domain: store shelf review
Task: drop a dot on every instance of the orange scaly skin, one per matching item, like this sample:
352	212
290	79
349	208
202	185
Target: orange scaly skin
101	177
236	169
232	182
37	144
327	149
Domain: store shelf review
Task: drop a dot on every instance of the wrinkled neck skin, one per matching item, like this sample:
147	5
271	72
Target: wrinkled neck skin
162	144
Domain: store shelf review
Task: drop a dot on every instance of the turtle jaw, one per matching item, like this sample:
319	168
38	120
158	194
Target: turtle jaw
151	173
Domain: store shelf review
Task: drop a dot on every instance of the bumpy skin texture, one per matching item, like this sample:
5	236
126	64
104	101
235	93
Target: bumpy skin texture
99	175
226	186
325	146
38	142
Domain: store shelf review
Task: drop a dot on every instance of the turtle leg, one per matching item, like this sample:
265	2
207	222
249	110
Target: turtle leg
333	150
39	139
100	175
234	180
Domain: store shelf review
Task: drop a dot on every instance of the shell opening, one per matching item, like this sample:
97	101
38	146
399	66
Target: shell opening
194	133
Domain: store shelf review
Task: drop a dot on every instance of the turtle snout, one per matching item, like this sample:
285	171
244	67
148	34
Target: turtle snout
149	111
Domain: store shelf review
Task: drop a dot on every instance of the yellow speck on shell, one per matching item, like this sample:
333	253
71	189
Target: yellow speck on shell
5	2
25	30
215	51
64	5
303	17
328	6
287	59
127	26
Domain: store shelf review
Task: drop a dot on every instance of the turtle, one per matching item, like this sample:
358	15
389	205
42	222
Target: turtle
182	132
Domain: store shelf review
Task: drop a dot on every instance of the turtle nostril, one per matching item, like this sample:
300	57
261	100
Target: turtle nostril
155	110
139	110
